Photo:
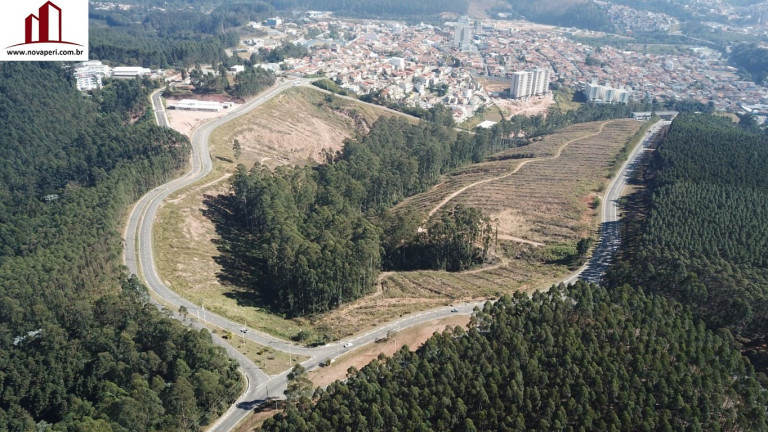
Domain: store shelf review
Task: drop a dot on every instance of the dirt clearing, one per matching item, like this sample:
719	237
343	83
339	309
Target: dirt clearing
186	121
413	337
294	128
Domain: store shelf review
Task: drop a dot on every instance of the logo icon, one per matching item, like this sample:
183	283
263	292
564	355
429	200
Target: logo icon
44	31
47	24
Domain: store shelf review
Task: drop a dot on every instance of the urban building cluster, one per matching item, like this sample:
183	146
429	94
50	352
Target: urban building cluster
629	20
421	65
605	93
89	74
451	64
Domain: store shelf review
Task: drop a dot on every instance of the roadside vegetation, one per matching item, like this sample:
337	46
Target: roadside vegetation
575	358
697	231
81	347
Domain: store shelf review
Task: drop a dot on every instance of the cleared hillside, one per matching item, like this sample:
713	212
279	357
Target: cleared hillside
577	159
294	128
543	192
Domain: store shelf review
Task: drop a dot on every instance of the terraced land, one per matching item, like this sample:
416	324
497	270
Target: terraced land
543	192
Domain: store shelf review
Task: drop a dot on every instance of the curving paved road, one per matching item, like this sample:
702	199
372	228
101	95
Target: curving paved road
157	105
139	259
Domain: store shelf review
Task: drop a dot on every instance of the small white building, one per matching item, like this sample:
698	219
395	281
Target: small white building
196	105
487	124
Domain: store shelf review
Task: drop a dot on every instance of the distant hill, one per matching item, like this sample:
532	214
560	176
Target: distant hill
378	8
565	13
752	59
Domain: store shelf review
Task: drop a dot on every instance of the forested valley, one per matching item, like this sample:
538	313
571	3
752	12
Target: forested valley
81	347
577	358
700	237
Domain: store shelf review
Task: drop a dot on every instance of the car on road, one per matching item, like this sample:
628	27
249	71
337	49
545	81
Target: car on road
454	310
243	330
348	344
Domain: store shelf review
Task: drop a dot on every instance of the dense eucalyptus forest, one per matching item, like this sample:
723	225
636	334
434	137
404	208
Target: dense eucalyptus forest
81	349
576	358
702	238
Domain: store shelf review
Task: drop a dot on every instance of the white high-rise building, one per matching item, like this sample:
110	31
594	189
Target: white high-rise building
594	91
530	83
541	79
462	34
606	93
520	85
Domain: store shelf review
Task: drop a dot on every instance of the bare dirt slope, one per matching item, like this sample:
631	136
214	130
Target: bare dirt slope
294	128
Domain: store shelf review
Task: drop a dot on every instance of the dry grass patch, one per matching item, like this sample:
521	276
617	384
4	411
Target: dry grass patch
491	113
542	192
294	128
269	360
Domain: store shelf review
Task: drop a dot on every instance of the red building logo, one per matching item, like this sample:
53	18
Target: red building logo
47	30
47	24
45	27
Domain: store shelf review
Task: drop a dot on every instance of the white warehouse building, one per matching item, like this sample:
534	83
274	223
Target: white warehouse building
129	71
196	105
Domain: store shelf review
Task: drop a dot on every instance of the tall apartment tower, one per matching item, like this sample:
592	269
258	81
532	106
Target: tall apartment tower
520	86
540	80
530	83
606	93
462	33
594	91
